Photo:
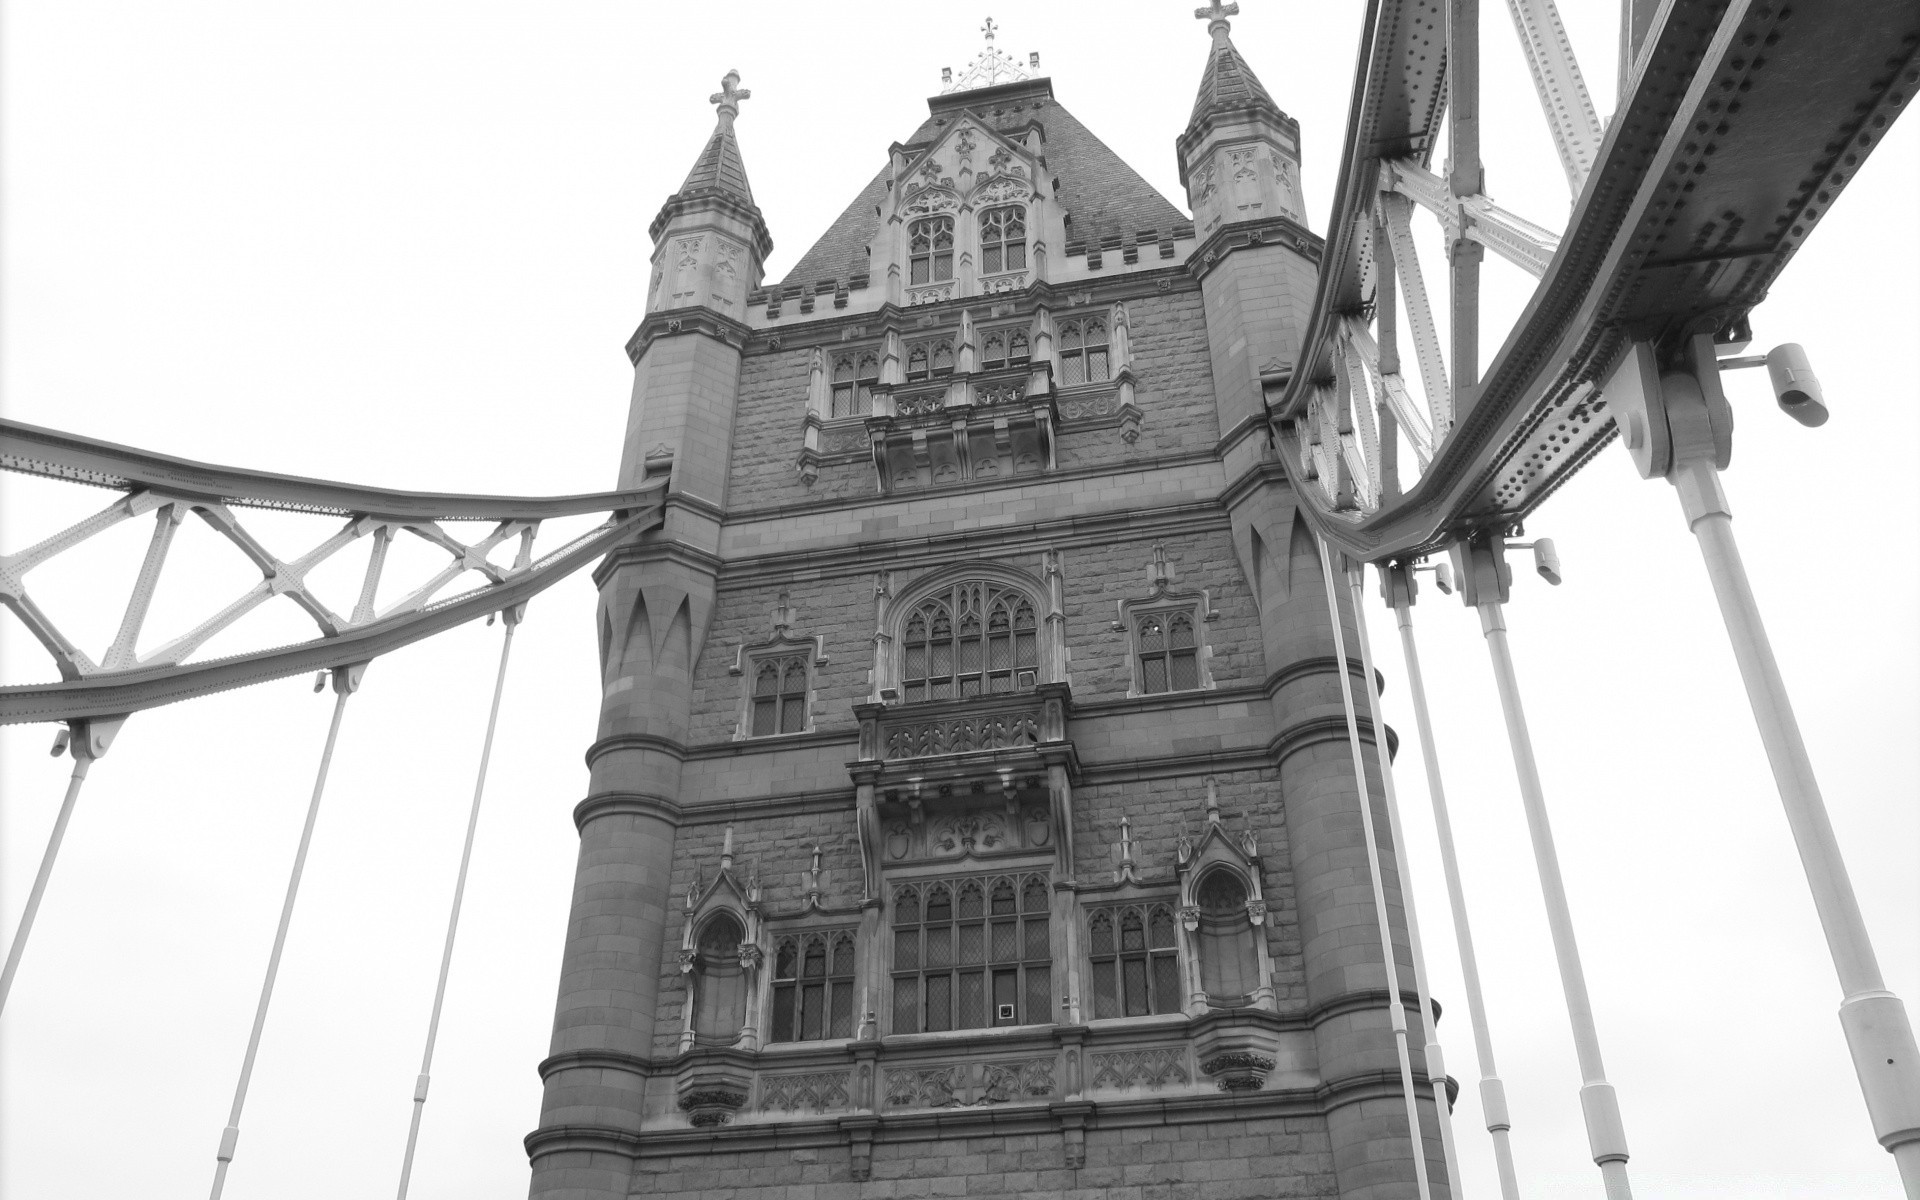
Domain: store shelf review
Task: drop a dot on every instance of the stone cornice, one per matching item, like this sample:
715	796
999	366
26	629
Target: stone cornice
902	554
634	553
1240	235
675	322
636	741
710	199
568	1060
605	804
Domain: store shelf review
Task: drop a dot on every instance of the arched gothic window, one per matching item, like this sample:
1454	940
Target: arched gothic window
813	986
780	695
1132	950
720	982
1003	239
1169	654
1083	351
1229	964
971	638
1004	348
853	380
930	250
929	359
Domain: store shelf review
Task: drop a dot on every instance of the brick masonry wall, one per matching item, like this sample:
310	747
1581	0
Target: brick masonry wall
1226	1159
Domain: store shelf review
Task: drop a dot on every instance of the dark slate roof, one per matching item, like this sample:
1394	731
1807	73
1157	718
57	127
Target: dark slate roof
1103	195
719	166
1229	83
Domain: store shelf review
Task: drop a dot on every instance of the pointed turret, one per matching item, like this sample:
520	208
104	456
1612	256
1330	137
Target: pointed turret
1240	154
1228	84
710	241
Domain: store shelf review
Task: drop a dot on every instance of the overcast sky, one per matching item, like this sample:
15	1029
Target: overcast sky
403	244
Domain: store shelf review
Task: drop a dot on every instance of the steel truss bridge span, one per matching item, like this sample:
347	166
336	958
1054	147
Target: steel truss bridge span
125	680
1738	125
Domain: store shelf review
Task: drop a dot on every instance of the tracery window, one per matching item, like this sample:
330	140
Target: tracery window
1136	968
926	360
1004	348
1229	964
853	380
971	953
779	699
972	638
1083	351
1167	650
930	250
720	982
1003	239
813	986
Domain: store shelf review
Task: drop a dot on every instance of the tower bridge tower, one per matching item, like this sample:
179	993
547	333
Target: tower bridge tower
971	800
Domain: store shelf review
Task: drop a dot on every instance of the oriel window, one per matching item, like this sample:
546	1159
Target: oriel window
972	953
853	380
1136	968
930	250
927	360
813	986
1003	240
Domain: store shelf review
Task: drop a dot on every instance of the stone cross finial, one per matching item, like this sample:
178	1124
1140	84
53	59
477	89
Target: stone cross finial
729	96
1215	15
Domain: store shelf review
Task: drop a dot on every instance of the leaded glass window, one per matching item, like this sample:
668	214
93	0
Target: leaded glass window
779	700
853	378
1136	968
813	986
1004	348
1168	652
972	638
927	360
972	953
1083	351
930	250
1003	240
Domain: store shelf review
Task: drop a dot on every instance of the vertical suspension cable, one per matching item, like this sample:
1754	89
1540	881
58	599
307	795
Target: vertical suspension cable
81	760
512	619
345	682
1493	1094
1396	1011
1606	1134
1435	1060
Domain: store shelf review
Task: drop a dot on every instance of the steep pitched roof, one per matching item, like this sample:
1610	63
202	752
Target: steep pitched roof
720	167
1228	82
1099	191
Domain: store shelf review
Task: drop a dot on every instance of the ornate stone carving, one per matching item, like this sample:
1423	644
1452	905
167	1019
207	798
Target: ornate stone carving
999	393
711	1106
813	1092
964	835
1001	191
920	406
968	1085
1190	917
1139	1068
933	294
959	735
1239	1070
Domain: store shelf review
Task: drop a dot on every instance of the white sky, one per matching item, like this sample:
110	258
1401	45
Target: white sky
403	244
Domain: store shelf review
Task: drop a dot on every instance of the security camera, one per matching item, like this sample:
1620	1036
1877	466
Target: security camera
1795	386
1443	578
1546	561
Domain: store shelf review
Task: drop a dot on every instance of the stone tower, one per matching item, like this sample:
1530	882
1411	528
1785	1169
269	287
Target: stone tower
970	811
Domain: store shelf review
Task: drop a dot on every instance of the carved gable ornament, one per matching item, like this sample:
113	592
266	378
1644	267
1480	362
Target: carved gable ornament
944	174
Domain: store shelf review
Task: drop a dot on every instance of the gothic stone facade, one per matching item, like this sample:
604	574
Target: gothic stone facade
970	812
